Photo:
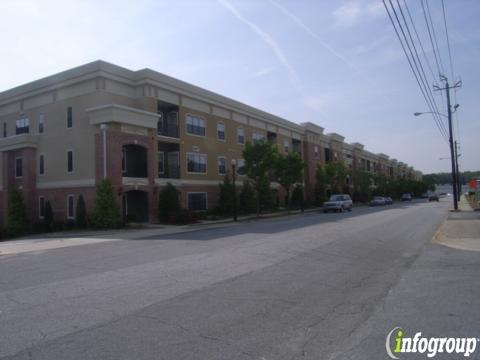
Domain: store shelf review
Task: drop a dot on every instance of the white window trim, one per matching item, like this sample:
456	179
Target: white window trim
218	167
163	156
73	206
16	158
44	168
244	136
204	121
186	163
198	192
40	207
224	131
73	162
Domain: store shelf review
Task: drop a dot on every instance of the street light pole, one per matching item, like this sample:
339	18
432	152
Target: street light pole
452	152
234	176
459	186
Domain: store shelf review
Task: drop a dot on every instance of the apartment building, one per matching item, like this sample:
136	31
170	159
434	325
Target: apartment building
63	134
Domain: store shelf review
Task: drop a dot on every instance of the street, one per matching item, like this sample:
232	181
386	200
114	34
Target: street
312	286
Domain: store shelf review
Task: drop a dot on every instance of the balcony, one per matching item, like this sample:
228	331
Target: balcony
18	142
167	124
168	160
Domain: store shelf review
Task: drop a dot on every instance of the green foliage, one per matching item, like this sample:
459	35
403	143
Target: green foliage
260	158
446	178
106	213
320	185
17	222
168	203
297	201
265	199
81	213
247	198
226	199
362	185
48	217
289	170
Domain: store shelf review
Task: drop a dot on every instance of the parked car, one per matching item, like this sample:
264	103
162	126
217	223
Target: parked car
338	203
433	197
388	200
377	201
406	197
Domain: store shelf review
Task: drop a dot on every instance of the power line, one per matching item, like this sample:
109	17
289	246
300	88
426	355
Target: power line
412	67
421	71
434	36
436	56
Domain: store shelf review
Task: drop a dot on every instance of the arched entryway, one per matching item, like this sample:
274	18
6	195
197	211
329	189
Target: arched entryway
135	206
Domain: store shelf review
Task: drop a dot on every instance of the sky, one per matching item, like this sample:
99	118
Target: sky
335	63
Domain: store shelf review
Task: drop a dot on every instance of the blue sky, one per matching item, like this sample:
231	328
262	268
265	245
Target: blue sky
334	63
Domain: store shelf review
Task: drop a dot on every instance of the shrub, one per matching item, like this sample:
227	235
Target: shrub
81	213
183	217
106	213
297	197
48	217
226	199
168	203
17	222
247	199
265	194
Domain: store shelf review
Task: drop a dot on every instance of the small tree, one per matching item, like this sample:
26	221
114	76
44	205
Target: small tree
297	201
48	217
226	199
106	213
247	200
17	222
320	185
81	213
265	194
168	203
259	159
289	170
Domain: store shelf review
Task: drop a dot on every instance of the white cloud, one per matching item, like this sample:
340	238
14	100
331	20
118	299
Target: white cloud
292	74
352	12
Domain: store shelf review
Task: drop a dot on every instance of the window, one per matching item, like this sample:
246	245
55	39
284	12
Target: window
257	136
161	162
196	163
70	207
70	161
222	165
241	166
41	164
41	207
286	144
221	131
4	129
197	201
241	136
22	126
315	151
18	167
195	125
41	123
69	117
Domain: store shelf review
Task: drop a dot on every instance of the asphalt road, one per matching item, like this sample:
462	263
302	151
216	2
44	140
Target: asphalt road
315	286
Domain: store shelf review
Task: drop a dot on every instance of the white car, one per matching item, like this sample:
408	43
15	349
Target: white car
338	203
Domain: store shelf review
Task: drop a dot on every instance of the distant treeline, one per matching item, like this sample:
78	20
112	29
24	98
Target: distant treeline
446	178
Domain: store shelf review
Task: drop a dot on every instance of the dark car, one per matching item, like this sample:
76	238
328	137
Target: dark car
433	197
406	197
388	200
377	201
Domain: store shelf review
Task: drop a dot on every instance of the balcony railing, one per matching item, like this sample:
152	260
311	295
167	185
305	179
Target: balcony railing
171	172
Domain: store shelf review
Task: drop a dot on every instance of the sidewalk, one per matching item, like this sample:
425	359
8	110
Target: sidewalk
48	241
461	230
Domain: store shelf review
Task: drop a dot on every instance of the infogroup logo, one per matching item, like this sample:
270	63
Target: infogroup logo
397	343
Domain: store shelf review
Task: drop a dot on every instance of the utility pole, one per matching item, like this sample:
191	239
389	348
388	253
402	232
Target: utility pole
459	181
450	137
